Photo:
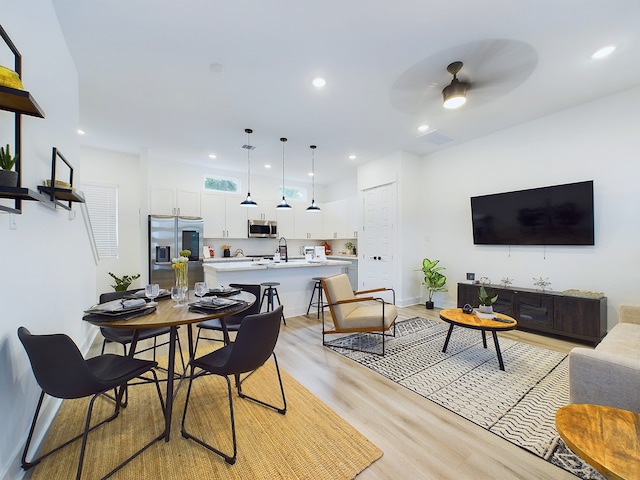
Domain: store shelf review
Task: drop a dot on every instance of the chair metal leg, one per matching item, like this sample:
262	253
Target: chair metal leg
282	409
230	459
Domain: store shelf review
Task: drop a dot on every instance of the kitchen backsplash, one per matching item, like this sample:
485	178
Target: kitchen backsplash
267	246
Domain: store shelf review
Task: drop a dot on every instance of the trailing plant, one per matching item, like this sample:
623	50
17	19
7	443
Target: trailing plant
486	299
123	283
6	160
433	279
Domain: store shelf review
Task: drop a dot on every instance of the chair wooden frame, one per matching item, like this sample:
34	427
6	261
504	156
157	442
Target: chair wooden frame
387	309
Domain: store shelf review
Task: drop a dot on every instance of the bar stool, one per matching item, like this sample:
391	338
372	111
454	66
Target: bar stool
269	293
317	287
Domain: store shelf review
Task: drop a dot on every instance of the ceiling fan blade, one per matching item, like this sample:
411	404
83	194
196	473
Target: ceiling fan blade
494	66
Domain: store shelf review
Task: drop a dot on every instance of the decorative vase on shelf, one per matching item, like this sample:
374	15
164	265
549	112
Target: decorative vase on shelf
8	178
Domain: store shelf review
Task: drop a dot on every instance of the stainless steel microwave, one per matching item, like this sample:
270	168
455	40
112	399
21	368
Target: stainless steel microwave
263	229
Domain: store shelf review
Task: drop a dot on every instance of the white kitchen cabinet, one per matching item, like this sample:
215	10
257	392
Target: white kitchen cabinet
308	225
354	224
286	221
335	219
266	209
223	216
172	201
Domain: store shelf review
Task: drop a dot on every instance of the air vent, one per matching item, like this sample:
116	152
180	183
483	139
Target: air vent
435	137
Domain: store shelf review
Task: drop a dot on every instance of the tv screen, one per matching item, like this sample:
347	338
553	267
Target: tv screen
556	215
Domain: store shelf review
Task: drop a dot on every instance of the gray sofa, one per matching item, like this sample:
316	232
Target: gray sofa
610	374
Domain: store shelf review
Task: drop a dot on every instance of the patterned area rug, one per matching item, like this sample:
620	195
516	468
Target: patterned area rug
517	404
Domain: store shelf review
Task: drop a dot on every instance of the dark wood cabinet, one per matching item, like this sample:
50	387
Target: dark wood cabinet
580	318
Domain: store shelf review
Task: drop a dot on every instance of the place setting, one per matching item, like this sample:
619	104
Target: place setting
213	299
136	304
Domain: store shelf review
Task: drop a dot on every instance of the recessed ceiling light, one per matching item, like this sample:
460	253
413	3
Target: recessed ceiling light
604	51
423	128
80	131
266	165
352	157
311	174
213	156
319	82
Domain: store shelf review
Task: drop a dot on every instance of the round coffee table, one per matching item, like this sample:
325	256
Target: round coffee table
456	317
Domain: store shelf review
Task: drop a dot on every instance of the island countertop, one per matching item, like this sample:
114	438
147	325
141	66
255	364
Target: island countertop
295	278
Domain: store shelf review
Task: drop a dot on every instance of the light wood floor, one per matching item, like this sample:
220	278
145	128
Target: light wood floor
420	439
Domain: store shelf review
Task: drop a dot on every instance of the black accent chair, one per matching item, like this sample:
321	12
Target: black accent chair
232	321
62	372
125	336
254	344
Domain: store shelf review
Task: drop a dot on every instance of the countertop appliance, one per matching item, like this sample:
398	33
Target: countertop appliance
167	236
262	229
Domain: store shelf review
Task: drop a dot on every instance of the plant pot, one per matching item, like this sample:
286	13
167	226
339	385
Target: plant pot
8	178
226	252
428	305
485	309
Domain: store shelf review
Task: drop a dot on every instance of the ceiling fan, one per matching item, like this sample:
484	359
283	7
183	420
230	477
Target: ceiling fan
492	68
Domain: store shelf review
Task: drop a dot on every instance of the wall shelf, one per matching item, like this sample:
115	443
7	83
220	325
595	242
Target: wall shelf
19	101
19	194
61	195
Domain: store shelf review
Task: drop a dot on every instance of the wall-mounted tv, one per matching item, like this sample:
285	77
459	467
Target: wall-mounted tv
555	215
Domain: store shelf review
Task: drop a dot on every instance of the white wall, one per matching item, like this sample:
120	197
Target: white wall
48	272
102	167
596	141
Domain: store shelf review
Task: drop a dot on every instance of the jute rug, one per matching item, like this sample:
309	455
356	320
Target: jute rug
309	442
518	404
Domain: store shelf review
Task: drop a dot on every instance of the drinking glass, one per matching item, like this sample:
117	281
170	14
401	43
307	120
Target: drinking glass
151	292
201	289
176	295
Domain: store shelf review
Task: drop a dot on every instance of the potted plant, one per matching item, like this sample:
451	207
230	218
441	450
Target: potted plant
8	177
486	300
433	279
350	247
123	283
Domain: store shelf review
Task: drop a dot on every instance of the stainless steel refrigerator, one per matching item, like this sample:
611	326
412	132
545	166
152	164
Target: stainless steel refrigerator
167	236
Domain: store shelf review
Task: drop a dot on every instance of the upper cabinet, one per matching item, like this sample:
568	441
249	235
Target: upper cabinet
223	216
266	209
341	219
308	225
172	201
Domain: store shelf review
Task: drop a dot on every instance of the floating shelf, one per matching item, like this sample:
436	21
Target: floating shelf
61	195
19	194
19	101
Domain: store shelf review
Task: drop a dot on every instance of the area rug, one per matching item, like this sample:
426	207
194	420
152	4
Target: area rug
309	442
517	404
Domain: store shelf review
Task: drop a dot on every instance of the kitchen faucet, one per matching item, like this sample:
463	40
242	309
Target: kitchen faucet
283	249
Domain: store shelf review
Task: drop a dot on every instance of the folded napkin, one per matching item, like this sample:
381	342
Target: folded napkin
138	302
217	301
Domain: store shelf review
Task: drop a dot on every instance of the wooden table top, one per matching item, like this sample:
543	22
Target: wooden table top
470	320
166	315
605	437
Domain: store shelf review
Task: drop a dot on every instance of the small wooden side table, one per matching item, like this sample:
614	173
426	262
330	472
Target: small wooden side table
607	438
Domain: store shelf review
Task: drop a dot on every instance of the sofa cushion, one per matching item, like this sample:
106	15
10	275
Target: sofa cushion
623	339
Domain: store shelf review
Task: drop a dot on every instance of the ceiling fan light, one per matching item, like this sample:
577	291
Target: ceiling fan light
455	94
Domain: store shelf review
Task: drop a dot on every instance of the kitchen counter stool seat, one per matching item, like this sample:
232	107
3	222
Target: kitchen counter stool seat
319	303
269	293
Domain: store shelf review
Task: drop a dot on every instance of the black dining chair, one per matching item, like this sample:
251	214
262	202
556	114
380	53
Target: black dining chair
253	346
232	322
62	372
125	336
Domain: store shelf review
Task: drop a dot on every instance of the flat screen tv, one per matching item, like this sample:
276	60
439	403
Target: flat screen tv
555	215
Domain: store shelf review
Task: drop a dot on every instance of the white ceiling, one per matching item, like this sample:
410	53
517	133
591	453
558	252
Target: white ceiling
146	81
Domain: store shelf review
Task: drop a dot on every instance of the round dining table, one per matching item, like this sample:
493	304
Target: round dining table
167	314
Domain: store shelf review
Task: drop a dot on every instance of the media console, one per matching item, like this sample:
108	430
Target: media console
580	318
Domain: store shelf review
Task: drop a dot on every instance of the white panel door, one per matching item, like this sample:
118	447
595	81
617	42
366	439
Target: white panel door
376	259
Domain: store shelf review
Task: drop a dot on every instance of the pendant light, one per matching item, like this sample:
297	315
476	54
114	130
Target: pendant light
313	207
283	204
248	202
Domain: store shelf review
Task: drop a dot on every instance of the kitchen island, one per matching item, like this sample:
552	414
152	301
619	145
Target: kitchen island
295	277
